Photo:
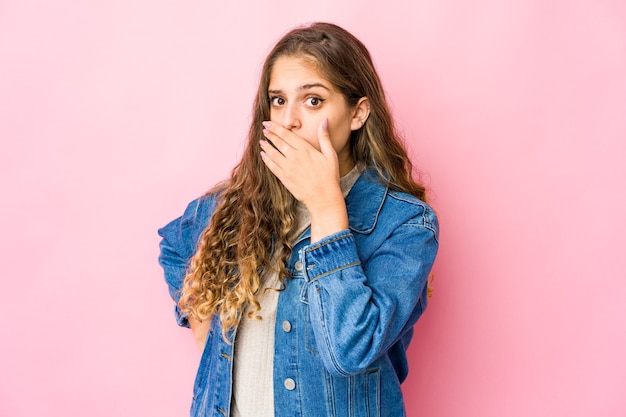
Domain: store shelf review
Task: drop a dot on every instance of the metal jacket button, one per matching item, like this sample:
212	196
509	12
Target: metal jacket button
286	326
298	265
290	384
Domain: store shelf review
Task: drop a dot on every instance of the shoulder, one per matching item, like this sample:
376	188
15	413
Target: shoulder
184	231
199	211
416	211
372	204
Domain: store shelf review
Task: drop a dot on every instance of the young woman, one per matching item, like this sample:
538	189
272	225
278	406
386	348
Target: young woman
302	275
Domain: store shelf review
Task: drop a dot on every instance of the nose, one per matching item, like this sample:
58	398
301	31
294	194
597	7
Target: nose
291	116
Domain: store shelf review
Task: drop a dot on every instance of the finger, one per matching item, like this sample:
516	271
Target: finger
326	145
270	150
277	142
271	165
286	135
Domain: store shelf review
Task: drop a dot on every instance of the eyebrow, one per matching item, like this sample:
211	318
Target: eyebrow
302	87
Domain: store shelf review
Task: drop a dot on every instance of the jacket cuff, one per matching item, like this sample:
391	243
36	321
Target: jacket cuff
333	253
181	318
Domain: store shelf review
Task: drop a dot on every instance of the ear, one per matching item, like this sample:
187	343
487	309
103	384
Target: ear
360	113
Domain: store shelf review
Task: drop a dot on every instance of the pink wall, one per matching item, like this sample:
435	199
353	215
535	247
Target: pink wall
114	114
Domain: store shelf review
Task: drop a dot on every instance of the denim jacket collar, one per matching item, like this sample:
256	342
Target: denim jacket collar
364	202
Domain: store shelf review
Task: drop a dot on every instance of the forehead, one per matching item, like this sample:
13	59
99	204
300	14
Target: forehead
294	71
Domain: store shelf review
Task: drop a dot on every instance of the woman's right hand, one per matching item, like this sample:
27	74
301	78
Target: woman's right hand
311	175
200	331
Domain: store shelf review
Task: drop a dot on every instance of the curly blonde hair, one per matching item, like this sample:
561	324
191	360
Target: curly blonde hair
256	212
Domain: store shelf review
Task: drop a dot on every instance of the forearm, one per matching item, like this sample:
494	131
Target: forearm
328	217
358	310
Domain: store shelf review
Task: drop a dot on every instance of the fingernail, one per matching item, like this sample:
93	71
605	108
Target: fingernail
325	124
266	124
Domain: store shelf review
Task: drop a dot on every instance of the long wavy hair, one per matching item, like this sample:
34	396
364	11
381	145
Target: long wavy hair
256	213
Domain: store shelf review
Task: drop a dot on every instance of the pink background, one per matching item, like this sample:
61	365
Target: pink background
113	115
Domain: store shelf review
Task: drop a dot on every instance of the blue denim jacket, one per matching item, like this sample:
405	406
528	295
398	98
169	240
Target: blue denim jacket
346	316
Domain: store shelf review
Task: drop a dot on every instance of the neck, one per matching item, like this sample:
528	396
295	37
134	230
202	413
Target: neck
345	165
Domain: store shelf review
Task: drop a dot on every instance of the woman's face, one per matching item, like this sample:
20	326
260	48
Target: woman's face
300	100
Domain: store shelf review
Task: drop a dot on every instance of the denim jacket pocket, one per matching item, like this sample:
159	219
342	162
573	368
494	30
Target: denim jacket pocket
345	395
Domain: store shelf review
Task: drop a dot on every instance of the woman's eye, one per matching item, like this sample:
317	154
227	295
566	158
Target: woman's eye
277	101
314	101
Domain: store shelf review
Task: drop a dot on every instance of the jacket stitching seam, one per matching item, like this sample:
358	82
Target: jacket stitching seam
321	244
315	278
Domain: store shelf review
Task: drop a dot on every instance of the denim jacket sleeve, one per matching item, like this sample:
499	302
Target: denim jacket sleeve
360	307
178	244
